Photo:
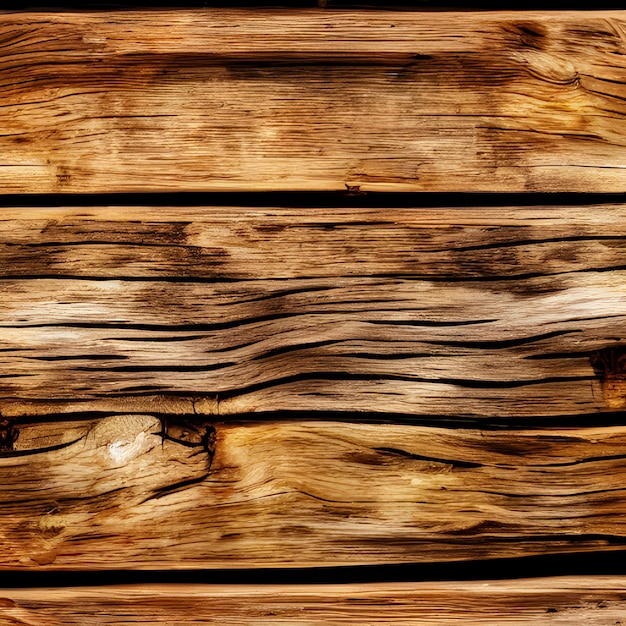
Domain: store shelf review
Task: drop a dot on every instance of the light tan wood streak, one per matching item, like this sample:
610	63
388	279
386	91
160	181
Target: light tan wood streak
139	492
596	601
232	100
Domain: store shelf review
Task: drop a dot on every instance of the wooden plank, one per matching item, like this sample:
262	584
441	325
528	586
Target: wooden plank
566	600
221	99
126	492
470	312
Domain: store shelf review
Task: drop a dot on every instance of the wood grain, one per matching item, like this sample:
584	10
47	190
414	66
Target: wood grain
565	600
449	313
311	100
136	492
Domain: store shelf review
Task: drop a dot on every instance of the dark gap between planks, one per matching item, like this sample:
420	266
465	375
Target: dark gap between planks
313	199
395	5
573	564
539	422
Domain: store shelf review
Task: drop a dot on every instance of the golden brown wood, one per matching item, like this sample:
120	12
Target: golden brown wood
132	492
312	100
565	600
467	312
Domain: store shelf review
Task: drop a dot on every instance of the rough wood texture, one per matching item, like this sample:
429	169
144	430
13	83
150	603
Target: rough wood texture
482	313
312	100
563	601
138	492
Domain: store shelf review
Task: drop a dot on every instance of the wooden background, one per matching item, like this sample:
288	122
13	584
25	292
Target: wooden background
312	314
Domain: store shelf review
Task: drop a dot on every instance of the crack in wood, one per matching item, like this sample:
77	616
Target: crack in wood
192	432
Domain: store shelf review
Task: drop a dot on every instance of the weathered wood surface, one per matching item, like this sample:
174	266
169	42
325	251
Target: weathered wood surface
312	100
564	601
139	492
468	312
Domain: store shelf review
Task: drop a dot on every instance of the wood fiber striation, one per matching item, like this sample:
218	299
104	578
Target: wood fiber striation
488	313
312	100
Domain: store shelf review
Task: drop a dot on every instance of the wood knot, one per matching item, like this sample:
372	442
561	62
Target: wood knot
8	435
609	365
190	432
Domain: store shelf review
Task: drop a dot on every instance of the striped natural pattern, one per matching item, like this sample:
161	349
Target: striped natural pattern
239	100
533	602
470	312
137	491
226	387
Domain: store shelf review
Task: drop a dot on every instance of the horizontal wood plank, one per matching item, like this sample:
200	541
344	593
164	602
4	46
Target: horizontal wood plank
221	99
468	312
566	600
139	492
